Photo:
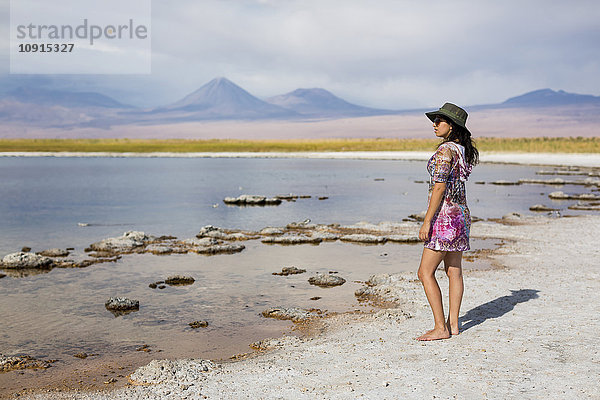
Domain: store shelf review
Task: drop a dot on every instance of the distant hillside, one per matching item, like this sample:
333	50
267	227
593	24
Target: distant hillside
549	97
222	99
319	102
61	98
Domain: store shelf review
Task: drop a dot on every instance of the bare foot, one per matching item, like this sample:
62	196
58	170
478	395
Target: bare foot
435	334
452	328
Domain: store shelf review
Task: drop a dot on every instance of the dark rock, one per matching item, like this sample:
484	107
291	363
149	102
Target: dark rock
252	200
145	348
153	286
54	253
323	198
292	240
285	271
179	280
198	324
2	276
504	183
81	355
8	363
162	287
101	254
26	249
418	217
541	207
326	280
287	197
121	304
315	298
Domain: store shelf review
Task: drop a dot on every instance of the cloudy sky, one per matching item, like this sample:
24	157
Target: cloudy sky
387	53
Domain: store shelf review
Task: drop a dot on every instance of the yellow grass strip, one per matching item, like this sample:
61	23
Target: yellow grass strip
525	145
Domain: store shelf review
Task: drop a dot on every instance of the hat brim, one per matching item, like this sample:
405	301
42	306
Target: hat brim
432	114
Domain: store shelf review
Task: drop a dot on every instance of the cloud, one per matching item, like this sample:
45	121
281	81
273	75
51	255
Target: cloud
392	54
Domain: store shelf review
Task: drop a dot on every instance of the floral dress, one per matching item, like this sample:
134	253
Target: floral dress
451	222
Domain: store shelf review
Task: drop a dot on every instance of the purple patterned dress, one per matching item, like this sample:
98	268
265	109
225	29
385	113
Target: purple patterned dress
451	223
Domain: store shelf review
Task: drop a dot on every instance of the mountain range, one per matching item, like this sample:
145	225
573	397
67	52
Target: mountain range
219	99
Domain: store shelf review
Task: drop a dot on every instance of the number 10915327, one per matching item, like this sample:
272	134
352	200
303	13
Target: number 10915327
46	47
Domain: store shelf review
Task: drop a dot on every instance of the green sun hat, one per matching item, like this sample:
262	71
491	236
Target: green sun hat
452	112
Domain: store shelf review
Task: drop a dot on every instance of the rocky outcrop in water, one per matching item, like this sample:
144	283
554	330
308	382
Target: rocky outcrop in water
585	207
198	324
326	280
179	280
541	207
11	363
563	196
121	304
292	240
54	253
285	271
363	238
252	200
22	260
210	231
127	243
220	249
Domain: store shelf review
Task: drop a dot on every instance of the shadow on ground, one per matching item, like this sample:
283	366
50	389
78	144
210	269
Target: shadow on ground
496	308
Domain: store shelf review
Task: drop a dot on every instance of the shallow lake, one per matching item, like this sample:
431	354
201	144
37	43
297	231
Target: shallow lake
73	202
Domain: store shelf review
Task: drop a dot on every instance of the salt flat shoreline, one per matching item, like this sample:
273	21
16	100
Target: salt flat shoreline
528	331
550	159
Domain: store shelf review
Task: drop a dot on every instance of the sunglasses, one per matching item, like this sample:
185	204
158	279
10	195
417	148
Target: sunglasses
439	120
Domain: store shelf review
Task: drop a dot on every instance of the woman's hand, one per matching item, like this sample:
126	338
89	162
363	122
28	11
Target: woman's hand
424	231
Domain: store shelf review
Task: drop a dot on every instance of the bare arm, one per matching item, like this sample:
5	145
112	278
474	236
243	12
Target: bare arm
437	195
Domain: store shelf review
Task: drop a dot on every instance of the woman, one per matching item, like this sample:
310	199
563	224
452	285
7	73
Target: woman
447	222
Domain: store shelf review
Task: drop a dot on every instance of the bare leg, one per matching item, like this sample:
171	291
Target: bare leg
453	267
429	263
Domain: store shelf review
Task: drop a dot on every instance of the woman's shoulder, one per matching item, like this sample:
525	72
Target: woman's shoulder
447	149
451	148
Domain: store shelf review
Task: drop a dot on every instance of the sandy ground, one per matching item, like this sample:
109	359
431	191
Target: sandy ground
562	121
529	331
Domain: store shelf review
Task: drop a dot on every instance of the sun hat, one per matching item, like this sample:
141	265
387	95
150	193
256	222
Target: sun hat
453	112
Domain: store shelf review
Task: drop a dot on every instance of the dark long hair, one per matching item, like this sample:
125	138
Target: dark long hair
463	137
